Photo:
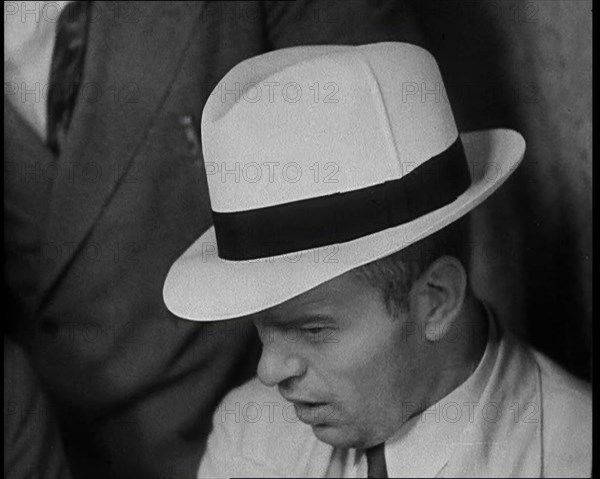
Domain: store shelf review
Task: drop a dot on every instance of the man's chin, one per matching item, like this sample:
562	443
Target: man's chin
334	435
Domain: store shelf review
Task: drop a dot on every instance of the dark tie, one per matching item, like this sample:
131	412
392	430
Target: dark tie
66	71
376	461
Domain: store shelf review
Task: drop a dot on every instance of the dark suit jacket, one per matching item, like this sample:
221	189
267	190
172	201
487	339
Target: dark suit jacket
32	444
136	386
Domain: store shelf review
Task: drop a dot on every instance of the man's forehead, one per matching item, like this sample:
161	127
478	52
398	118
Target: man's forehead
323	300
294	309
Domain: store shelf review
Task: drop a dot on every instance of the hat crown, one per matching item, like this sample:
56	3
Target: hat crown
306	122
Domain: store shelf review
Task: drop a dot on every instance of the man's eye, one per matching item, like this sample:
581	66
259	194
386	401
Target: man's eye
317	334
313	330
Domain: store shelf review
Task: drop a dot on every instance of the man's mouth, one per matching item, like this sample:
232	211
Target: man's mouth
306	404
313	412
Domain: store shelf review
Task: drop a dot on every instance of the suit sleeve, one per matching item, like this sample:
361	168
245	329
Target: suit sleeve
347	22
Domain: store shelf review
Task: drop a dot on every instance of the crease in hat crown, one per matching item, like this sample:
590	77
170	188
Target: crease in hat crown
375	129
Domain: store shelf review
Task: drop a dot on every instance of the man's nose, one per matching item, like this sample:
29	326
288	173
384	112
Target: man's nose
276	366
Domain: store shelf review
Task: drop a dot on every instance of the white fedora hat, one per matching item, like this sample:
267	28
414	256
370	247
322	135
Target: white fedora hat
321	159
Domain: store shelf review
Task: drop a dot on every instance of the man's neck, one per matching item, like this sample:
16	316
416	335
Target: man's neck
458	354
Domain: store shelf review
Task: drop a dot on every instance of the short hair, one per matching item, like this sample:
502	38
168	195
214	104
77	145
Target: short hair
394	275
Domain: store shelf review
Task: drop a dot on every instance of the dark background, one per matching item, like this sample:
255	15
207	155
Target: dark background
527	65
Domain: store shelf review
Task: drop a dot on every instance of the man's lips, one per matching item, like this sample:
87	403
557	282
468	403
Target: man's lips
303	402
308	404
311	412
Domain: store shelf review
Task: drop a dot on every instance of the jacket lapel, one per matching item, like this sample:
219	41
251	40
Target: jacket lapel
133	54
504	439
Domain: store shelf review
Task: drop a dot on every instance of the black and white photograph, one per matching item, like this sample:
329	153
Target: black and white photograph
301	239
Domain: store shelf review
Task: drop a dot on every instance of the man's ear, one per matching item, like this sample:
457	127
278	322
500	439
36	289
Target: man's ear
437	297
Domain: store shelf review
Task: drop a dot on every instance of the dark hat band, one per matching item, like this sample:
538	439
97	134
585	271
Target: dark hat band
341	217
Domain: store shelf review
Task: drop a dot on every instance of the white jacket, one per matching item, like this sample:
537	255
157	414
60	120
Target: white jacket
518	415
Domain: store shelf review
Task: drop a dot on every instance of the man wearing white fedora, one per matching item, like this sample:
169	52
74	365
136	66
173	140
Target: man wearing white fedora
340	189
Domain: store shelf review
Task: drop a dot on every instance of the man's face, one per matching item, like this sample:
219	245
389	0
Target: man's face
353	371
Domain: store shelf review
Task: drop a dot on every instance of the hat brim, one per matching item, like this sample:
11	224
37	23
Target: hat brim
200	286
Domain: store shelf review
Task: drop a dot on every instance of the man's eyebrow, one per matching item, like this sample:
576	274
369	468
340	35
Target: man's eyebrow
295	322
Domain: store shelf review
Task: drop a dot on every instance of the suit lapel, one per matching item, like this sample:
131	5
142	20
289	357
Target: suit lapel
133	55
504	439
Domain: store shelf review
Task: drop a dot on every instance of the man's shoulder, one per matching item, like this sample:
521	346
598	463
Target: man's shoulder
563	392
557	385
256	433
545	427
253	407
567	419
253	403
254	421
561	382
